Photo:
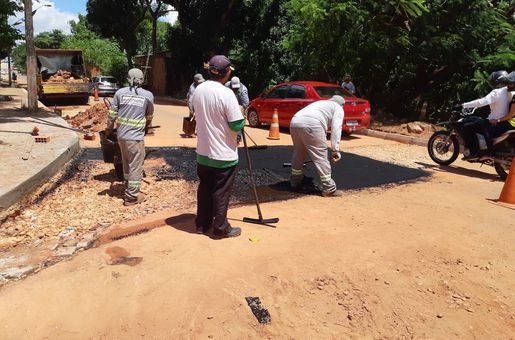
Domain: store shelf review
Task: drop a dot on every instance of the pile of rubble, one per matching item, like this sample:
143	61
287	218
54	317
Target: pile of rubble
64	77
93	119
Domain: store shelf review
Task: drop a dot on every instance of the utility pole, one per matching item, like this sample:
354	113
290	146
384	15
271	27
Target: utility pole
32	100
9	70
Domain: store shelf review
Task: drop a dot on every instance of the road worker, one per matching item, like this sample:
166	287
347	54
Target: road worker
132	110
308	129
219	119
240	91
197	80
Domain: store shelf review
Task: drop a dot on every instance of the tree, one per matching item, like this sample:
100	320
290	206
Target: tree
205	28
103	53
144	37
402	53
8	33
119	20
156	9
53	39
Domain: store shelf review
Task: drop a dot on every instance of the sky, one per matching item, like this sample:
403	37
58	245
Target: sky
60	13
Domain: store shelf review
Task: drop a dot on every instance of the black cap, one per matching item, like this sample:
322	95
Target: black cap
220	64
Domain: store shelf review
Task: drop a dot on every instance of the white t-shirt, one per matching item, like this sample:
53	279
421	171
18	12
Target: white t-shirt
322	113
499	101
215	106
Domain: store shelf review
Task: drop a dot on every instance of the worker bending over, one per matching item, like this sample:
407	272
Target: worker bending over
132	109
308	130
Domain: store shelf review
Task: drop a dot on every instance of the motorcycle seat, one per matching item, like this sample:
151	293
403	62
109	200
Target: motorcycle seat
503	137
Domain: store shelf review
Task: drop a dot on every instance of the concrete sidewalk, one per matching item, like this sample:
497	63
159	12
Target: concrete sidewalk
19	177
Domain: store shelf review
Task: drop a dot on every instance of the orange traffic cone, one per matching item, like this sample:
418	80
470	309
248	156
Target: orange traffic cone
95	93
508	191
274	127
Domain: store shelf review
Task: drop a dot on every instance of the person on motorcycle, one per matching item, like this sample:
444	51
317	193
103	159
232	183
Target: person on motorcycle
506	123
498	100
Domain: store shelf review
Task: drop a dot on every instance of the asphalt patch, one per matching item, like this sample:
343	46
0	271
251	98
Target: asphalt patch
352	172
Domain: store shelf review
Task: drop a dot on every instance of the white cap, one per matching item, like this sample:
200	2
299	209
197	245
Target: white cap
235	83
338	99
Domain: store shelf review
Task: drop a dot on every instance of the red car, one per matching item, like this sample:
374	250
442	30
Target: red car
288	98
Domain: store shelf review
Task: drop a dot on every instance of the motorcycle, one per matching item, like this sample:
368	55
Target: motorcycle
445	146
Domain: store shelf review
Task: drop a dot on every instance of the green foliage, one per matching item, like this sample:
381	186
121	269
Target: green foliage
103	53
19	57
402	53
53	39
144	36
8	33
118	20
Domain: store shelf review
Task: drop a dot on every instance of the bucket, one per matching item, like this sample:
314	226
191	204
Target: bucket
188	126
109	146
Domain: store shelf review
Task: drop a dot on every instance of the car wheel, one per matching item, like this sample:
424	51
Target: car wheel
253	118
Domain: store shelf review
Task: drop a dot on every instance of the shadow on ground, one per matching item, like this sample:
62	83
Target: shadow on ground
461	171
353	172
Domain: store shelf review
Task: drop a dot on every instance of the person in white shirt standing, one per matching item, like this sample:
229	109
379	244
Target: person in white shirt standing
499	101
308	129
219	119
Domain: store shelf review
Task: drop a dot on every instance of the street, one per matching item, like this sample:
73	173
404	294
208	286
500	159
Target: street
412	250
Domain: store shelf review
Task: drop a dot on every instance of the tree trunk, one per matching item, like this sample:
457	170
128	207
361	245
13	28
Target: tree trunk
154	32
32	97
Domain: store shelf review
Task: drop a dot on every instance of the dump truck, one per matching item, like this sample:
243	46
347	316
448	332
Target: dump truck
62	75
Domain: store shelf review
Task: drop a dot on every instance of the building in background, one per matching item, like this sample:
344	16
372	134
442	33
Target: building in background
156	73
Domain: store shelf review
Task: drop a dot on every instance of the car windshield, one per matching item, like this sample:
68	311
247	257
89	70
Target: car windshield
329	91
109	79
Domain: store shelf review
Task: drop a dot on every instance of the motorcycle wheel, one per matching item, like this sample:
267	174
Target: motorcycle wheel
443	150
501	171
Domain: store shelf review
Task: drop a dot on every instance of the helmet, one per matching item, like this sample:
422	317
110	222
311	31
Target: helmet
498	78
135	77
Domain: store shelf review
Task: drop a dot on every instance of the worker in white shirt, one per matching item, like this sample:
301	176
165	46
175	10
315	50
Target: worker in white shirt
498	100
308	129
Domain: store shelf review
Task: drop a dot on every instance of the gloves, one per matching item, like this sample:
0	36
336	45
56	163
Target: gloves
336	156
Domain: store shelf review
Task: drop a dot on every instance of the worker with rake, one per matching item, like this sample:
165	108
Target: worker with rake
219	119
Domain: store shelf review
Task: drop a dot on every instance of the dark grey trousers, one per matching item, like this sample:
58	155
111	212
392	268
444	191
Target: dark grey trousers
133	157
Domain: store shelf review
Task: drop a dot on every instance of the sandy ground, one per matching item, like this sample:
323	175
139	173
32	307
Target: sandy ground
432	258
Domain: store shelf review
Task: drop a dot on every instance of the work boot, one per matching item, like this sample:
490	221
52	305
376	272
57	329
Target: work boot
129	202
226	233
336	193
202	230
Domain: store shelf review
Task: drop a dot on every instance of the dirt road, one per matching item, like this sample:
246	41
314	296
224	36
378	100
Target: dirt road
431	258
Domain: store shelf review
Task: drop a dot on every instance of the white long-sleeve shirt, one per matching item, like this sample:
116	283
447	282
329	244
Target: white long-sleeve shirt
323	113
498	99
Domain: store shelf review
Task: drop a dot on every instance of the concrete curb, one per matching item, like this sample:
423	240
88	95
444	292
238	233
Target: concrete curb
24	188
64	149
394	137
